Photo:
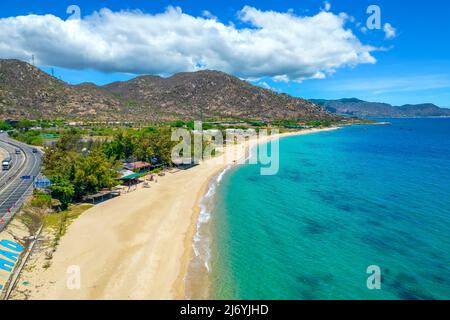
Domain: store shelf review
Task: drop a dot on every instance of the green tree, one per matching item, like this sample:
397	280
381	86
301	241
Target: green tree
24	124
159	144
178	124
64	191
121	147
69	141
92	173
142	145
5	126
75	173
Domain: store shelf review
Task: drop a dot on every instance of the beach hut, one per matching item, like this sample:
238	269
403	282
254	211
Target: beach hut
99	197
130	179
184	164
138	166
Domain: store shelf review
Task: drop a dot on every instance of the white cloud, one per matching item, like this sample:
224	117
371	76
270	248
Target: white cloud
272	44
389	31
327	6
281	78
208	15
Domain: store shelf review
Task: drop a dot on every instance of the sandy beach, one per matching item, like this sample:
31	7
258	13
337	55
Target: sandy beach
136	246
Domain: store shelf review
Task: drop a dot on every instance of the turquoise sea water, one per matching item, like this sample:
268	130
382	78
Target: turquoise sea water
342	201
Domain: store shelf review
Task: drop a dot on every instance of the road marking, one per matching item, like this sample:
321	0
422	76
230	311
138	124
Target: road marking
9	197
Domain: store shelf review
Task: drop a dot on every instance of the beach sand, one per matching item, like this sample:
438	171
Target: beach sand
136	246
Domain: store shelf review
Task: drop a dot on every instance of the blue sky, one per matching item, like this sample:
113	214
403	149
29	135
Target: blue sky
411	67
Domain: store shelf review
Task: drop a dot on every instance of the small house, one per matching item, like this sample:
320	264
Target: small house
138	166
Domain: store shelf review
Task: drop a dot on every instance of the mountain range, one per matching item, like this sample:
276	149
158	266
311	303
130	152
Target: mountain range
362	109
28	92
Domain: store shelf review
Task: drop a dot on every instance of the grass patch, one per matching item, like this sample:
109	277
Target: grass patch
75	211
60	221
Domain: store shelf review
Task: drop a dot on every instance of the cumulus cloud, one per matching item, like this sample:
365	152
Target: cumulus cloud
389	31
268	43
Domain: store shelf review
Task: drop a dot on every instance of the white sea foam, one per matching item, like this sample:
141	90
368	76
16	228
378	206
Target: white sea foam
202	242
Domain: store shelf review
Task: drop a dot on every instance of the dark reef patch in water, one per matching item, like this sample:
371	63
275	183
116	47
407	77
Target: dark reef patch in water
314	280
293	175
381	243
307	295
407	287
253	178
345	207
340	201
407	294
374	222
439	279
327	197
313	227
311	281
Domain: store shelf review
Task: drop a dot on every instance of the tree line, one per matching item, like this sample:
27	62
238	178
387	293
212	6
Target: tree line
78	167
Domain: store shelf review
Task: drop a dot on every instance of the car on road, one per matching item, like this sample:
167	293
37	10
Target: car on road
6	164
17	151
35	150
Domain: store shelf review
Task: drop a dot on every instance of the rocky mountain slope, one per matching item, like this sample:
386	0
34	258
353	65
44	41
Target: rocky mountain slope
28	92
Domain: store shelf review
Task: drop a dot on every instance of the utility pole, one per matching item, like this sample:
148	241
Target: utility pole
32	60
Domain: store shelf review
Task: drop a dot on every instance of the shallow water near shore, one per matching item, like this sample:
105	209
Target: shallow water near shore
199	270
342	201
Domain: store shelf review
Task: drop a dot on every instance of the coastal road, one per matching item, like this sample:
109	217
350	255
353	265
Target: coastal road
14	189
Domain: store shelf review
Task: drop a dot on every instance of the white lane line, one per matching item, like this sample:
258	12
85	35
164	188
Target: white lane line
19	182
15	168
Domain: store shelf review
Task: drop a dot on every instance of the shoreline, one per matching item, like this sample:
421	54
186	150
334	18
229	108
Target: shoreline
139	245
181	281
